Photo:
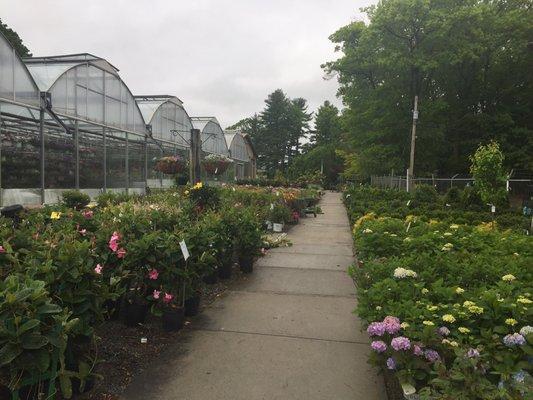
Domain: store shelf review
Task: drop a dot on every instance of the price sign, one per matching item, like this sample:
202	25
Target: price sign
184	250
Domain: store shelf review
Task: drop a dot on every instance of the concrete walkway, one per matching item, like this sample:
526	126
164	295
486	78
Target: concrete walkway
286	332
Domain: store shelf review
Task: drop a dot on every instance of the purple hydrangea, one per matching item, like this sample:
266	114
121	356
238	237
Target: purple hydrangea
431	355
472	353
417	350
401	343
514	339
379	346
376	329
391	364
443	331
392	325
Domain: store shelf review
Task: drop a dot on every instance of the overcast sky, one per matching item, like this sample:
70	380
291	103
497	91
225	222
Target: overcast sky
220	57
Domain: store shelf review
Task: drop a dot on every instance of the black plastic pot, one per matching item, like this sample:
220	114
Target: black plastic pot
134	313
246	264
224	271
173	319
192	305
211	279
112	308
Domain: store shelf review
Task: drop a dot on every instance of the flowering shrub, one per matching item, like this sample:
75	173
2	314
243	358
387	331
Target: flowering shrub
448	304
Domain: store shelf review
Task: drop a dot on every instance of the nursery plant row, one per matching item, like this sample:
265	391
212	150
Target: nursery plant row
445	289
66	269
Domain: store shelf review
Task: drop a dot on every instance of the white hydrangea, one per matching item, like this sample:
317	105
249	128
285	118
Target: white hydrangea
400	273
526	330
447	247
368	231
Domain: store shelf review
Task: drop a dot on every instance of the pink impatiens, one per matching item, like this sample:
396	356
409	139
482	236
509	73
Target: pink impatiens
168	298
153	274
156	294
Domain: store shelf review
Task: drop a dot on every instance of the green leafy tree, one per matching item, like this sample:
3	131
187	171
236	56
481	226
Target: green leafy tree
15	40
467	61
327	125
319	159
300	119
489	174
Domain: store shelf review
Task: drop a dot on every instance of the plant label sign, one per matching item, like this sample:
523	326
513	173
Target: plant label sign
271	206
492	209
184	250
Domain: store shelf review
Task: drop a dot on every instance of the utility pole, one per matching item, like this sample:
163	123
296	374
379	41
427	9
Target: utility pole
413	140
196	145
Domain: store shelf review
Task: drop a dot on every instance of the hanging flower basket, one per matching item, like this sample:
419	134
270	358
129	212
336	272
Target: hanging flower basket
216	164
170	165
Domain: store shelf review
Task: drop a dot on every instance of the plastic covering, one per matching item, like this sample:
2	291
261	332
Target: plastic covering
237	146
167	117
213	139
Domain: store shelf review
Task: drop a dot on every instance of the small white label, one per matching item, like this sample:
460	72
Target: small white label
216	170
492	209
271	206
184	250
144	340
408	203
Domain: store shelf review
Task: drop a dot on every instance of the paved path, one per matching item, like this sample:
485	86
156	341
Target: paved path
287	332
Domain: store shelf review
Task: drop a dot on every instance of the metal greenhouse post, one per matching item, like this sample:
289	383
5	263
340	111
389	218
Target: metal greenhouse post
195	156
105	159
77	154
41	150
127	163
1	189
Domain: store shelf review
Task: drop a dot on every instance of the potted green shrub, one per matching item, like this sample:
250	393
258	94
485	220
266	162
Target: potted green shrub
249	240
279	215
170	307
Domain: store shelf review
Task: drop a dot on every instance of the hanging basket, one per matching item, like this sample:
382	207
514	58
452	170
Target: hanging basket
215	164
170	165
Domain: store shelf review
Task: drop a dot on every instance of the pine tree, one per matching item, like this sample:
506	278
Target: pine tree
327	125
15	40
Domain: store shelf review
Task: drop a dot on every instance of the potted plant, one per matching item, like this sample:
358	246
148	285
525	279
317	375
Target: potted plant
216	164
170	165
169	305
134	307
279	214
249	239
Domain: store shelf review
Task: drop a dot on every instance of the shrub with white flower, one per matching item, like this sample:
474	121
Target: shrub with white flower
400	273
447	247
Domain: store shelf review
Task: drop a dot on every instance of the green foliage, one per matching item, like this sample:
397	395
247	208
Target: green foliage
75	199
489	174
280	214
15	40
472	82
425	195
320	157
452	196
429	273
327	125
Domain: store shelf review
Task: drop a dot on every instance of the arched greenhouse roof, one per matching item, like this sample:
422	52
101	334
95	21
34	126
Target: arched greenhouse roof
87	87
213	139
167	117
237	145
16	83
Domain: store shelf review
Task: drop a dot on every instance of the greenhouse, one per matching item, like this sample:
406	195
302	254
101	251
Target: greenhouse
243	154
213	140
170	126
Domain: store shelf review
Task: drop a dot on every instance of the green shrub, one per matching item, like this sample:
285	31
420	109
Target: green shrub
471	200
280	214
75	199
452	196
425	194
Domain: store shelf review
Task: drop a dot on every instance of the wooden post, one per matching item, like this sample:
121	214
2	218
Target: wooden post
413	141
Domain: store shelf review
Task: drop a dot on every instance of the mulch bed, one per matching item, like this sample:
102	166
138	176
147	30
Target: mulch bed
122	356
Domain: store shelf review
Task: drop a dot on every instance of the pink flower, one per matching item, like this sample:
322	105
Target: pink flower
121	253
392	325
156	294
113	242
417	350
168	298
2	250
379	346
263	251
153	274
88	214
376	329
83	232
98	269
400	343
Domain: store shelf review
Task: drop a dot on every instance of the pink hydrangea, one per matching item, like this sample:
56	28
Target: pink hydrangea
379	346
156	294
153	274
401	343
392	325
417	350
376	329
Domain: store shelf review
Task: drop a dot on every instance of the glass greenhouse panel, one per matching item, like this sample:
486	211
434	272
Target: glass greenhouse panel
136	162
116	161
59	160
91	154
154	153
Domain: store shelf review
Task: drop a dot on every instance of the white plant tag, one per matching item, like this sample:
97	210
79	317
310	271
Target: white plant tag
271	206
184	250
492	209
216	170
408	203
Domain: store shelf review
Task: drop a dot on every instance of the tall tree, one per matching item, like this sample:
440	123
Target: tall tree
15	40
466	60
300	119
327	125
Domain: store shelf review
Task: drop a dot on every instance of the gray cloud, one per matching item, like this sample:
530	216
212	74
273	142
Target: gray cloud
221	58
